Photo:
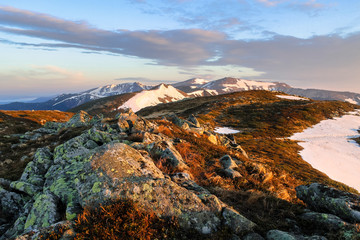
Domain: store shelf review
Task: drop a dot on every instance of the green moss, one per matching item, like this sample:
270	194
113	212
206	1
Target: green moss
70	216
30	222
96	187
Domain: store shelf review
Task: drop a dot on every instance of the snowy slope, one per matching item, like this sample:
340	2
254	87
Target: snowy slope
159	94
227	85
193	83
328	148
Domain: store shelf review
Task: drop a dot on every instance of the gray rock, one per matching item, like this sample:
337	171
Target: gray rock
230	173
236	222
166	150
36	169
11	204
80	119
227	162
43	213
25	187
327	222
322	198
192	119
54	126
253	236
279	235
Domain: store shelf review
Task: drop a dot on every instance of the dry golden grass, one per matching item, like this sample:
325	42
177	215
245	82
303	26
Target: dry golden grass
41	116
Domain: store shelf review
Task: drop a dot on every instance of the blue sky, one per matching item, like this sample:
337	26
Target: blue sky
51	47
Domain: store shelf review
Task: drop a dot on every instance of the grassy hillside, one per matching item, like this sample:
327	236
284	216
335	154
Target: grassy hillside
264	121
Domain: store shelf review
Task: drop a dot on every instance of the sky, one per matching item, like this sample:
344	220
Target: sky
53	47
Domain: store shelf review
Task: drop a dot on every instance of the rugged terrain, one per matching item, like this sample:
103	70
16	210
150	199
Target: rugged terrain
164	173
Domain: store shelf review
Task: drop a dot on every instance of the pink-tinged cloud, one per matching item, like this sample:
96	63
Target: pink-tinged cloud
323	59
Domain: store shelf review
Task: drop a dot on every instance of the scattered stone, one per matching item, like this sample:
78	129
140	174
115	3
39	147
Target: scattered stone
192	119
227	162
231	173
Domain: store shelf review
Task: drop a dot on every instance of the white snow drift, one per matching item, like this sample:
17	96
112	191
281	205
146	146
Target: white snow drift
328	147
291	97
225	130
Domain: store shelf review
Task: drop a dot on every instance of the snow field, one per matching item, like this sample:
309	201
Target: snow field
328	147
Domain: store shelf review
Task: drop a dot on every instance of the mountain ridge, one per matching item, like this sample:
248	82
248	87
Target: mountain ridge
194	87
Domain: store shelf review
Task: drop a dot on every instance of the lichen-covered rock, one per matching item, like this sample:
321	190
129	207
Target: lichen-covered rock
279	235
236	222
25	187
80	119
55	126
44	212
322	198
11	204
327	222
119	160
36	169
17	227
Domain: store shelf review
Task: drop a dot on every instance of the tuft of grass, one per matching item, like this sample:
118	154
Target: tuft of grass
122	219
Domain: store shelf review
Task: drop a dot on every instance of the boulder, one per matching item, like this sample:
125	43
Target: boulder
324	221
322	198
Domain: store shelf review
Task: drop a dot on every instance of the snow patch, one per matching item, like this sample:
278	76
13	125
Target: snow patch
153	97
225	130
291	97
349	100
328	148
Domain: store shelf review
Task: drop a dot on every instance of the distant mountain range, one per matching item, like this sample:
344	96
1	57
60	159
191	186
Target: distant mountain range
64	102
195	87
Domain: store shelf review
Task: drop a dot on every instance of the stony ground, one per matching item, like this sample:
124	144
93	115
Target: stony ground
187	181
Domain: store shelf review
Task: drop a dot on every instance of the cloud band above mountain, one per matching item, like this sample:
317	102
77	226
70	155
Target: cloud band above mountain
321	58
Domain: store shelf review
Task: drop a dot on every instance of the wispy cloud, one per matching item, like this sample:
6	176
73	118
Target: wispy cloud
320	58
36	78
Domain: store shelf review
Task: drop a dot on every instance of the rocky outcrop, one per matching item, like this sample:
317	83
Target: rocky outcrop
322	198
100	165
